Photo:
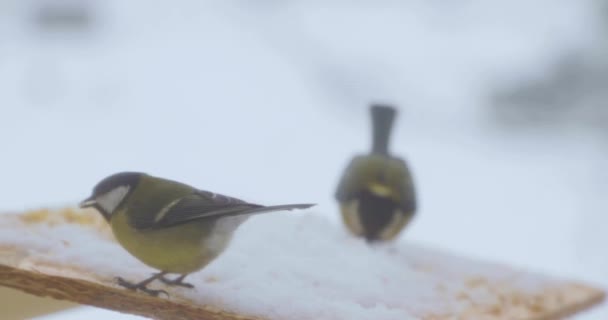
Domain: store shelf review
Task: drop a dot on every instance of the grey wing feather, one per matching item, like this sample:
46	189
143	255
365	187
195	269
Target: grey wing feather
198	205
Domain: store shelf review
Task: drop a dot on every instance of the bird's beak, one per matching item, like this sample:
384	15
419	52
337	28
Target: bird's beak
88	202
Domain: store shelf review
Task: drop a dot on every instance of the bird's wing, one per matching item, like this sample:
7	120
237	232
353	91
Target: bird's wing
198	205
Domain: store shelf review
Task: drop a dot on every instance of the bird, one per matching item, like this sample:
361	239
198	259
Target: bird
170	226
376	192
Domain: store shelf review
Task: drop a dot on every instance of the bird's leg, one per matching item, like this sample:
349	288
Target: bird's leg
142	286
179	281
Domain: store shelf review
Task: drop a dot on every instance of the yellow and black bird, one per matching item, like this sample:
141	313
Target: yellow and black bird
376	193
168	225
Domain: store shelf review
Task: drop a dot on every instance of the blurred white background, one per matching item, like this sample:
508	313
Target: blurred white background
503	111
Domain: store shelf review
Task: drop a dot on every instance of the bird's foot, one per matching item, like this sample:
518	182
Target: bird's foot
141	286
179	281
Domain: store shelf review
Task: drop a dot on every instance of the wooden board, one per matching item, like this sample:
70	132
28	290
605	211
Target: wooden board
53	266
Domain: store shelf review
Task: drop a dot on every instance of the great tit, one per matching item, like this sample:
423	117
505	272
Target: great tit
168	225
376	192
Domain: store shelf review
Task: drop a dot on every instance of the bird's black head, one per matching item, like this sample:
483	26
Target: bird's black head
111	192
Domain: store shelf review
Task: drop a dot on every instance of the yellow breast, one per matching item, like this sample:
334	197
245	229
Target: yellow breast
178	249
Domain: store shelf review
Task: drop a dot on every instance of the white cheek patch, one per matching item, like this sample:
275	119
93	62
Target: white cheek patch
110	200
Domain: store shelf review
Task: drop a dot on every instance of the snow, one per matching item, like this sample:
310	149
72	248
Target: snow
267	102
294	266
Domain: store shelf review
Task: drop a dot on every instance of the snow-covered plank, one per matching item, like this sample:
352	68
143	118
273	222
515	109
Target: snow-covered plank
279	266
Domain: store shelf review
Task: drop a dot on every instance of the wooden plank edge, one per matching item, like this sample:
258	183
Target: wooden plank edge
117	299
596	298
17	304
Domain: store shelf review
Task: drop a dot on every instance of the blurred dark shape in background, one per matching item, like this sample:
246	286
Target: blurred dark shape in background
572	93
63	16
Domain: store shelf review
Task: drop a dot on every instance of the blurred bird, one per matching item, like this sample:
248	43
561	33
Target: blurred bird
170	226
376	193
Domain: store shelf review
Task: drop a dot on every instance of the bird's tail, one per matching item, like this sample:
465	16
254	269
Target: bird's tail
285	207
382	123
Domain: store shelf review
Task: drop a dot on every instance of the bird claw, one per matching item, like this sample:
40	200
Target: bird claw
141	287
176	282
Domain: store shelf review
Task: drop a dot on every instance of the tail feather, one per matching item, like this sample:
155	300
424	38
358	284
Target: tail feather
382	123
285	207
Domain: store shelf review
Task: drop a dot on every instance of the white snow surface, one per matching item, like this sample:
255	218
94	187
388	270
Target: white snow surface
296	266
